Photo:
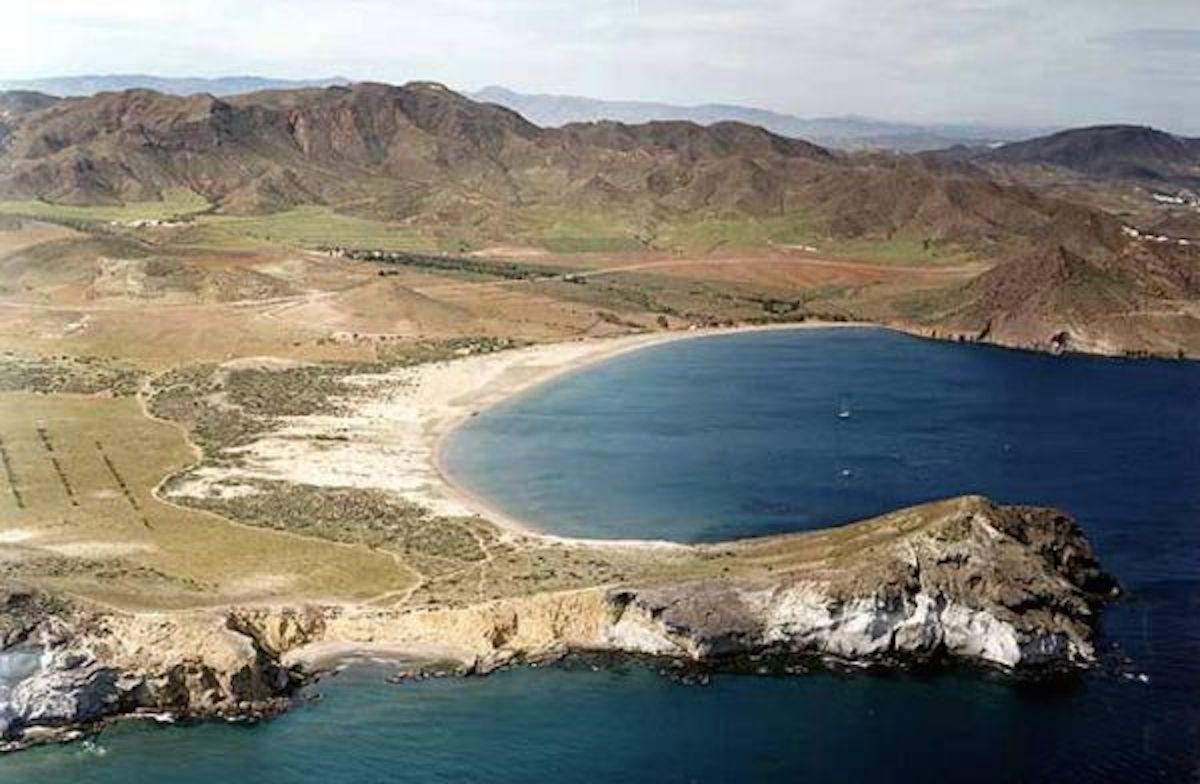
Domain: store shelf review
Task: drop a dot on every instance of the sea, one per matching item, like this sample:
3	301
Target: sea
765	432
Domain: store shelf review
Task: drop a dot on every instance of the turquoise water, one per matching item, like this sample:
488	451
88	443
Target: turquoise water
738	435
633	725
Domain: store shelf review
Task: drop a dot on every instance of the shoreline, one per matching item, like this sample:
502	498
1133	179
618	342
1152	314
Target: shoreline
392	433
491	394
771	596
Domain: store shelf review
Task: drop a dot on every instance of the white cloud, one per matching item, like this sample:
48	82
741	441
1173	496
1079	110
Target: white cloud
1015	61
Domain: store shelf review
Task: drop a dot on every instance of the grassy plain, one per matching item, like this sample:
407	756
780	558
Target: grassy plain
96	312
556	230
79	515
175	204
302	227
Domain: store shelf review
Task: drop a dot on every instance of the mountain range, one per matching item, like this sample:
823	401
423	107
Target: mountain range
423	152
1127	152
424	155
846	132
67	86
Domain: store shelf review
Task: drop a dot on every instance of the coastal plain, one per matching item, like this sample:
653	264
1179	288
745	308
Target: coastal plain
258	420
257	499
221	412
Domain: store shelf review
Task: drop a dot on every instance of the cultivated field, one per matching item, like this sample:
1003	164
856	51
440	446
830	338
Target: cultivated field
80	516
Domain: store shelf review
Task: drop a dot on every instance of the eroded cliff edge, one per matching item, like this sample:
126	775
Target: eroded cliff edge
962	580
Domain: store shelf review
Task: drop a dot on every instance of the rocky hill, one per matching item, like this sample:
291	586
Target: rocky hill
1115	151
421	151
1138	297
424	155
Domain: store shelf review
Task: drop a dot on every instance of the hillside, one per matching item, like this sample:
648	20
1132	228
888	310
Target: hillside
421	153
400	150
1112	151
430	162
1138	297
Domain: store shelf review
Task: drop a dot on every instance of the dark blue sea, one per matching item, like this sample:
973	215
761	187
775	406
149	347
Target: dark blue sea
740	435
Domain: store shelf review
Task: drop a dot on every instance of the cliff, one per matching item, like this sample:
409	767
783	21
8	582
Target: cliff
961	581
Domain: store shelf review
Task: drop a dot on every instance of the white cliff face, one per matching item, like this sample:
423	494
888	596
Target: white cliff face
637	632
67	691
128	664
974	634
971	582
869	627
47	684
805	620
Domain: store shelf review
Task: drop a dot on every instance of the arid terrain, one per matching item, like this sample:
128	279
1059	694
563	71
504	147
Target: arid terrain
1075	242
234	330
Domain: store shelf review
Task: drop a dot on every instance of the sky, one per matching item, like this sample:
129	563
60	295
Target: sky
1008	62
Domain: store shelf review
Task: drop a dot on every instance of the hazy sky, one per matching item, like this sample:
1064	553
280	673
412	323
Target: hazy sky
1022	62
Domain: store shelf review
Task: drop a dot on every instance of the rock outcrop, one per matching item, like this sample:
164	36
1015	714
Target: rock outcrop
961	580
69	667
1005	586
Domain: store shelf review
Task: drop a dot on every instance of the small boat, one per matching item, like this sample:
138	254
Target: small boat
843	410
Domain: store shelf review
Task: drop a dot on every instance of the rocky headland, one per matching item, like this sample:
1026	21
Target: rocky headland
958	581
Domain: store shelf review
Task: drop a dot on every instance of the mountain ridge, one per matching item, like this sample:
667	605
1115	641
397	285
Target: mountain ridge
849	131
1134	152
423	155
843	132
90	84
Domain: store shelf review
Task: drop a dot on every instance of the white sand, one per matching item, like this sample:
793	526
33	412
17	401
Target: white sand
391	438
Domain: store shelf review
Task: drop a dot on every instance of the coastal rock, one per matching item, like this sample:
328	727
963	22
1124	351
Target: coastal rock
78	667
961	580
1006	586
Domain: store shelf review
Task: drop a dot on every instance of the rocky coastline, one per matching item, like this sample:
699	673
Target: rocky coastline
963	581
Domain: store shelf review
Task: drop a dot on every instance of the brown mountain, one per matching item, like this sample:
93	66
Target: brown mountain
1111	151
406	149
424	154
1138	296
420	151
14	105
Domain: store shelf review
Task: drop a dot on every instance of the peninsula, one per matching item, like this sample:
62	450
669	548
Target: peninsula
297	464
236	330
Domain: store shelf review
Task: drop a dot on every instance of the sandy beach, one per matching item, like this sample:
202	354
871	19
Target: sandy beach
391	435
517	372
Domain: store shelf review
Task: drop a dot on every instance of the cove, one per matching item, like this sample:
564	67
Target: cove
739	435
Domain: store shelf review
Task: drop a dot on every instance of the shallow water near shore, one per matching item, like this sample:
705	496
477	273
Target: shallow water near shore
740	434
737	435
630	724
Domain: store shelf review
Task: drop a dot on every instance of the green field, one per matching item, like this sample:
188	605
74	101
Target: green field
563	230
900	250
795	229
178	203
557	229
308	227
